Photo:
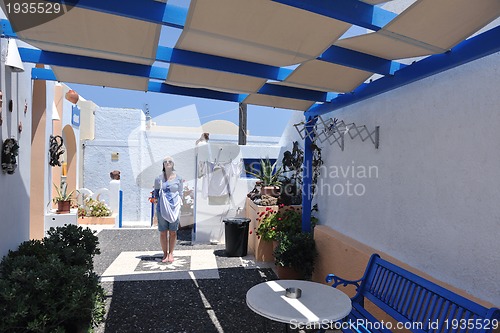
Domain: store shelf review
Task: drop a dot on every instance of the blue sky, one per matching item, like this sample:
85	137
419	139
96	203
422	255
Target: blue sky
262	121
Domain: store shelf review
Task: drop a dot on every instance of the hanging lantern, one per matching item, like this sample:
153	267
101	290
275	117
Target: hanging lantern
13	59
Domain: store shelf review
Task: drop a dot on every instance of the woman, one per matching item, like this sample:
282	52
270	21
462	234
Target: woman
168	195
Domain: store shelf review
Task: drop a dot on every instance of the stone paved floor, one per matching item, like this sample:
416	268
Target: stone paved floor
203	291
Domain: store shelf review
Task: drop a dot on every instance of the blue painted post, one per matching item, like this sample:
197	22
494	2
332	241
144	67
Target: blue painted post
120	210
307	174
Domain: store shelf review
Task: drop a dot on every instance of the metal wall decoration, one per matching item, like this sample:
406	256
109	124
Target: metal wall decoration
55	150
335	131
10	150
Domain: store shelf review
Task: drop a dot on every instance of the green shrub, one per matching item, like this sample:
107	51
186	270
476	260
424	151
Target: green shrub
297	251
49	285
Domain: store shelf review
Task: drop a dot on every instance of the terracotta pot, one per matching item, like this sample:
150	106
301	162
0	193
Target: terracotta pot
63	207
72	96
288	273
273	191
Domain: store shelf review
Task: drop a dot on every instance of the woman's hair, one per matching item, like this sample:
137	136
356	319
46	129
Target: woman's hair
165	159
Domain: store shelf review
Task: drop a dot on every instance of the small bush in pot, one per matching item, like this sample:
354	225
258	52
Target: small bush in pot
297	251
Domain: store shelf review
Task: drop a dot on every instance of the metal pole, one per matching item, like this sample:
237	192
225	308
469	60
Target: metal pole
193	231
120	210
242	134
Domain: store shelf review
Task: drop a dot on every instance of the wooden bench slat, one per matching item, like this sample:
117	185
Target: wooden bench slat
360	313
438	303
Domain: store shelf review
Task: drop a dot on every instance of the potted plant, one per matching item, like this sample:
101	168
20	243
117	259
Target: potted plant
268	177
62	199
94	207
295	255
272	223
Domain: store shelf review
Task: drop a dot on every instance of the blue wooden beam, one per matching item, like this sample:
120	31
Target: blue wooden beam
307	174
354	59
6	29
195	92
144	10
201	60
90	63
350	11
151	72
159	87
334	54
43	74
296	93
469	50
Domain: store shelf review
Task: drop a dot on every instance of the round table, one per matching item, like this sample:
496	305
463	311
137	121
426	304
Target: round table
318	304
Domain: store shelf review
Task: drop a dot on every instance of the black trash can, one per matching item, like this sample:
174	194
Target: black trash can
236	230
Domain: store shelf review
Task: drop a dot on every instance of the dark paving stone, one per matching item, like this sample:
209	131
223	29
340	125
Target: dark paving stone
179	306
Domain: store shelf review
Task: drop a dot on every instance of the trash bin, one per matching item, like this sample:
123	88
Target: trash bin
236	230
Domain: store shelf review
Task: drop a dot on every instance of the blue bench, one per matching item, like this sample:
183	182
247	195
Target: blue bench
415	303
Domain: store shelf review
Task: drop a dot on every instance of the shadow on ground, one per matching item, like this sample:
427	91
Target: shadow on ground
175	306
212	305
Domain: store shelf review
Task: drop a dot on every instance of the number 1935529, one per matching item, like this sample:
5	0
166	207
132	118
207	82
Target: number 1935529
33	8
471	324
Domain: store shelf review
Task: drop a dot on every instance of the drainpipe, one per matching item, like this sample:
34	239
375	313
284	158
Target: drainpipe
242	133
307	173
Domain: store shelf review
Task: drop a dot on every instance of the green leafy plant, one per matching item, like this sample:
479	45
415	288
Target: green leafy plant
49	285
62	193
268	174
297	251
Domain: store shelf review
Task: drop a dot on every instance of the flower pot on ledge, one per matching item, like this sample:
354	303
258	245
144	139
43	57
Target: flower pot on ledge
63	207
261	249
273	191
289	273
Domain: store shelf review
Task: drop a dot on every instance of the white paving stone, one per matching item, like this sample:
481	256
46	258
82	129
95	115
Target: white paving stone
203	265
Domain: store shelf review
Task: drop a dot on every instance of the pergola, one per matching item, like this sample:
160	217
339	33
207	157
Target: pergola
307	55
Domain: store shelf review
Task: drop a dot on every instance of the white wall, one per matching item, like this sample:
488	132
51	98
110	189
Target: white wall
434	201
140	160
14	189
113	128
